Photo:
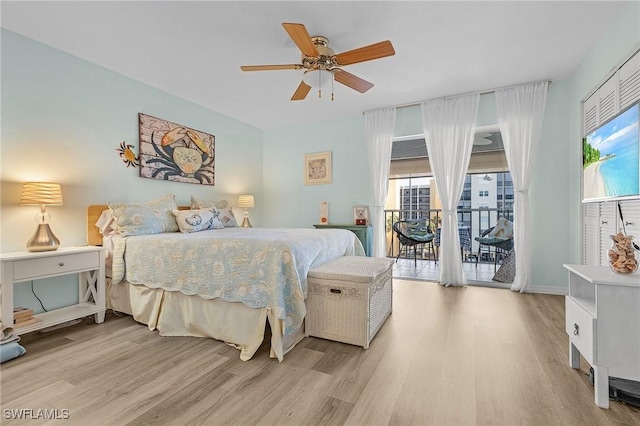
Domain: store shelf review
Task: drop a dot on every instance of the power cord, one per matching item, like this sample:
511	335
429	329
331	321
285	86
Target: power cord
635	246
34	293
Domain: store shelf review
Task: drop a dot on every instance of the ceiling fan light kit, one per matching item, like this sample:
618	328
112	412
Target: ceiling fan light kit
322	65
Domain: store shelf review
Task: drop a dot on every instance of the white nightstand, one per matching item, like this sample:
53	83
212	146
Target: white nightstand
86	261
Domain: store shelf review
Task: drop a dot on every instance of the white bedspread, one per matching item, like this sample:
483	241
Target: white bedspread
260	267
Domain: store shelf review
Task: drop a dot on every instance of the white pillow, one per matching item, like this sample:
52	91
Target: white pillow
197	220
227	217
503	229
106	223
197	203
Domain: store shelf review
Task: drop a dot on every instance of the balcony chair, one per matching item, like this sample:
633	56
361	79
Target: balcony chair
500	237
413	233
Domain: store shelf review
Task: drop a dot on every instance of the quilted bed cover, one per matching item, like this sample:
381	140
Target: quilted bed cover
260	267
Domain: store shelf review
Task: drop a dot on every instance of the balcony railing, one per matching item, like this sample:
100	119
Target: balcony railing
475	221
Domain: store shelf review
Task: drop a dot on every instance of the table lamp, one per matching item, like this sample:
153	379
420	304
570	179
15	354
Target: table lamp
43	194
246	201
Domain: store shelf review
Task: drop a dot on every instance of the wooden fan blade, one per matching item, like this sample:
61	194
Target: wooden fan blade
366	53
350	80
271	67
301	92
301	38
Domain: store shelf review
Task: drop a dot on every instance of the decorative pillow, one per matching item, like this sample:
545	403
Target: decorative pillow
197	203
153	217
503	229
10	351
106	223
198	220
227	217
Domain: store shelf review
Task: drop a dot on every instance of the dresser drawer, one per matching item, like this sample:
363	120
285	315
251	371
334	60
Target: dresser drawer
55	265
580	326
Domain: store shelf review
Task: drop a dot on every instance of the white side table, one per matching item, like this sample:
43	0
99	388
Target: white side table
603	323
86	261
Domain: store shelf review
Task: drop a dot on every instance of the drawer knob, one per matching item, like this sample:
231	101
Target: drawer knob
604	222
61	264
576	329
335	291
628	223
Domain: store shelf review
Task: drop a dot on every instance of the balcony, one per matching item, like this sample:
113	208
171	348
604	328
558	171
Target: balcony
472	223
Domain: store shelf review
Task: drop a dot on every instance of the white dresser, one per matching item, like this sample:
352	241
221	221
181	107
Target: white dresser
603	324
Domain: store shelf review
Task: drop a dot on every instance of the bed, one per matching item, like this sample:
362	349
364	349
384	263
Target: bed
219	283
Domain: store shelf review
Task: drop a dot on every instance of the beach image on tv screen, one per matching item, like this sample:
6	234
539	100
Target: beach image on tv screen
611	161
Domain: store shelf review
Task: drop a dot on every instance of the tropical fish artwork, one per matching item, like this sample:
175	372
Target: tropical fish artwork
169	151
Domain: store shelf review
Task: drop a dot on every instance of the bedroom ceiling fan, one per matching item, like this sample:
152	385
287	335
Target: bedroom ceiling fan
321	64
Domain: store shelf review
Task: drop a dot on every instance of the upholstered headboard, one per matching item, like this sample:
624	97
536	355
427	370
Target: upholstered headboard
93	214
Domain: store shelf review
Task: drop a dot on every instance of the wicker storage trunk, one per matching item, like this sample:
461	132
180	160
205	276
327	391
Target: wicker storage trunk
349	299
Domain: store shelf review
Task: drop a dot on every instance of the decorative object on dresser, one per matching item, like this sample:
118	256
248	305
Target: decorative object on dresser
317	168
349	299
324	212
169	151
87	262
361	215
43	194
622	259
603	324
363	232
246	202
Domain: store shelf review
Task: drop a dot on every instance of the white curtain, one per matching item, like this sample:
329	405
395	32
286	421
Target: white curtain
379	126
449	127
520	113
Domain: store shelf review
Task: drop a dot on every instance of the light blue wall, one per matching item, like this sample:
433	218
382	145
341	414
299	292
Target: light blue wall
409	118
287	201
618	41
62	120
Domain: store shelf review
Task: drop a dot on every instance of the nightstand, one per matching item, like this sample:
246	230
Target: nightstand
363	232
87	262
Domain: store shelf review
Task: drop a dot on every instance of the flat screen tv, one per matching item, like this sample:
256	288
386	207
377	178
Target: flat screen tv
611	159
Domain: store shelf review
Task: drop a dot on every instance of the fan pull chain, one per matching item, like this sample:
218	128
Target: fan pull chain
319	84
331	86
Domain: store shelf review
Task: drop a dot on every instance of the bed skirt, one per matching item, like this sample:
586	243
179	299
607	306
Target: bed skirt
176	314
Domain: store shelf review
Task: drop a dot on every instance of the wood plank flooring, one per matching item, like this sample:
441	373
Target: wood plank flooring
446	356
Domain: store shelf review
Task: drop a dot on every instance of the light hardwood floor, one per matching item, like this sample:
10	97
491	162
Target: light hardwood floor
446	356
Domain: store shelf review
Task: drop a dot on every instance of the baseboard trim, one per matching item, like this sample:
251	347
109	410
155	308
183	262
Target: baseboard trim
549	289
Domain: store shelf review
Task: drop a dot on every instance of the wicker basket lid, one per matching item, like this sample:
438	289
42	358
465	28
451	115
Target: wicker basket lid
352	268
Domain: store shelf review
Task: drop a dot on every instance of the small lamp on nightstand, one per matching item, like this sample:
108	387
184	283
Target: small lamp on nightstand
43	194
246	201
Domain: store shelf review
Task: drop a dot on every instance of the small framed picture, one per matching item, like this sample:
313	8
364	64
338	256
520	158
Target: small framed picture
317	168
361	215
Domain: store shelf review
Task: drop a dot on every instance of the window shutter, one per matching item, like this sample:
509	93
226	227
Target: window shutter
629	75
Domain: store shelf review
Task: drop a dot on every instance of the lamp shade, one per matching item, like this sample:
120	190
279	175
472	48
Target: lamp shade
245	201
41	193
318	78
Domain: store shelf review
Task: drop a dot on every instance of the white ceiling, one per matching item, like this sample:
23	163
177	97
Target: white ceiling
194	49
